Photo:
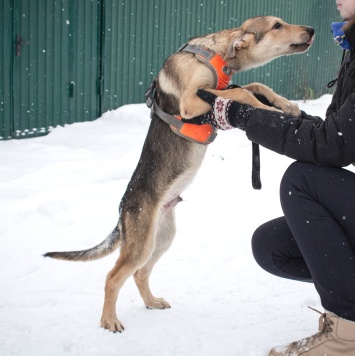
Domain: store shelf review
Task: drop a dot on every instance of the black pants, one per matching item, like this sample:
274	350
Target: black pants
315	240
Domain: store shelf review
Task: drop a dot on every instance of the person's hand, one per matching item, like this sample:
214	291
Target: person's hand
225	114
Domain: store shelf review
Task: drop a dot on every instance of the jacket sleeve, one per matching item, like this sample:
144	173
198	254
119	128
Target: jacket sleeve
308	138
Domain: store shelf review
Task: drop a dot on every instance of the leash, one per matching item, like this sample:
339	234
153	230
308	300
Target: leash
255	168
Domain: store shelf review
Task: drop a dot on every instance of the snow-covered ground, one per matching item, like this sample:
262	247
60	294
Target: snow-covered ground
62	192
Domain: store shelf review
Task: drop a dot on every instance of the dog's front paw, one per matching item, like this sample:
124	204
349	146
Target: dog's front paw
112	324
288	107
293	109
157	303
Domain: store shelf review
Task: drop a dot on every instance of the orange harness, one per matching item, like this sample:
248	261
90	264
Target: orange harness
206	133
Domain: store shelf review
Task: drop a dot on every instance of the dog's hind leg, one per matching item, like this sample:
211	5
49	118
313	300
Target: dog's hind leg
114	282
137	249
164	238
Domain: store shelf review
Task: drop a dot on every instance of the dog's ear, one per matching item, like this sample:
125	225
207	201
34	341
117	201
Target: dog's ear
238	41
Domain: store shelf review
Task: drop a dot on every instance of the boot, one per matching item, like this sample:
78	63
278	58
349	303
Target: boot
336	337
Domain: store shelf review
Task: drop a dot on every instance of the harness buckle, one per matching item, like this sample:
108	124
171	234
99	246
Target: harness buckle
150	94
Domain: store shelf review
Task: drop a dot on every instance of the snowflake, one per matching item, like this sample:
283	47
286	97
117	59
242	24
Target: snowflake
220	105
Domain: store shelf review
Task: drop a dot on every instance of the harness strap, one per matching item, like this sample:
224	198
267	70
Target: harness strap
171	120
203	134
204	52
221	73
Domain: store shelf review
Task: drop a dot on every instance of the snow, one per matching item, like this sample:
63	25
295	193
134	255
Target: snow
61	192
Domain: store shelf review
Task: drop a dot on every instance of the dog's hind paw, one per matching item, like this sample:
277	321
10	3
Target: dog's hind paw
157	303
113	325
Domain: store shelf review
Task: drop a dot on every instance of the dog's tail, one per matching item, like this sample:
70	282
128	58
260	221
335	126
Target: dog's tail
110	244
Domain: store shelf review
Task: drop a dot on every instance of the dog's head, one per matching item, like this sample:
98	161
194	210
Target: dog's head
262	39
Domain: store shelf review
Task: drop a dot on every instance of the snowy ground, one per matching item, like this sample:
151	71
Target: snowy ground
62	191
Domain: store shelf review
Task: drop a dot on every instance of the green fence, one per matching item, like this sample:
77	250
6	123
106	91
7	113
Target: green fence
64	61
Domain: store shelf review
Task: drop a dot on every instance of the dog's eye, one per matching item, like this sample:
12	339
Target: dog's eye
276	26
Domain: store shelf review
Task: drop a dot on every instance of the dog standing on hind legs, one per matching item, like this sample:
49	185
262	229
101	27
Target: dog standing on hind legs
169	162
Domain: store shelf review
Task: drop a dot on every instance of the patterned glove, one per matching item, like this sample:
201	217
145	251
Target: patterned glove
226	114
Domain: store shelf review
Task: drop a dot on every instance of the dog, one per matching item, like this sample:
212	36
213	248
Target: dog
168	162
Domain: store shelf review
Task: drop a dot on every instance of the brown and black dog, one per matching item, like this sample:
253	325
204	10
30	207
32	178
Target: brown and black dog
168	162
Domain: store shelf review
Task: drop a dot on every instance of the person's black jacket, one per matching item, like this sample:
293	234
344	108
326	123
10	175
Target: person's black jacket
309	138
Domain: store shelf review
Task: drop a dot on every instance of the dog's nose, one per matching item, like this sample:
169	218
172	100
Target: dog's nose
310	30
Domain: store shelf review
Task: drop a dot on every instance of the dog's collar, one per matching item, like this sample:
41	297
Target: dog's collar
221	73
